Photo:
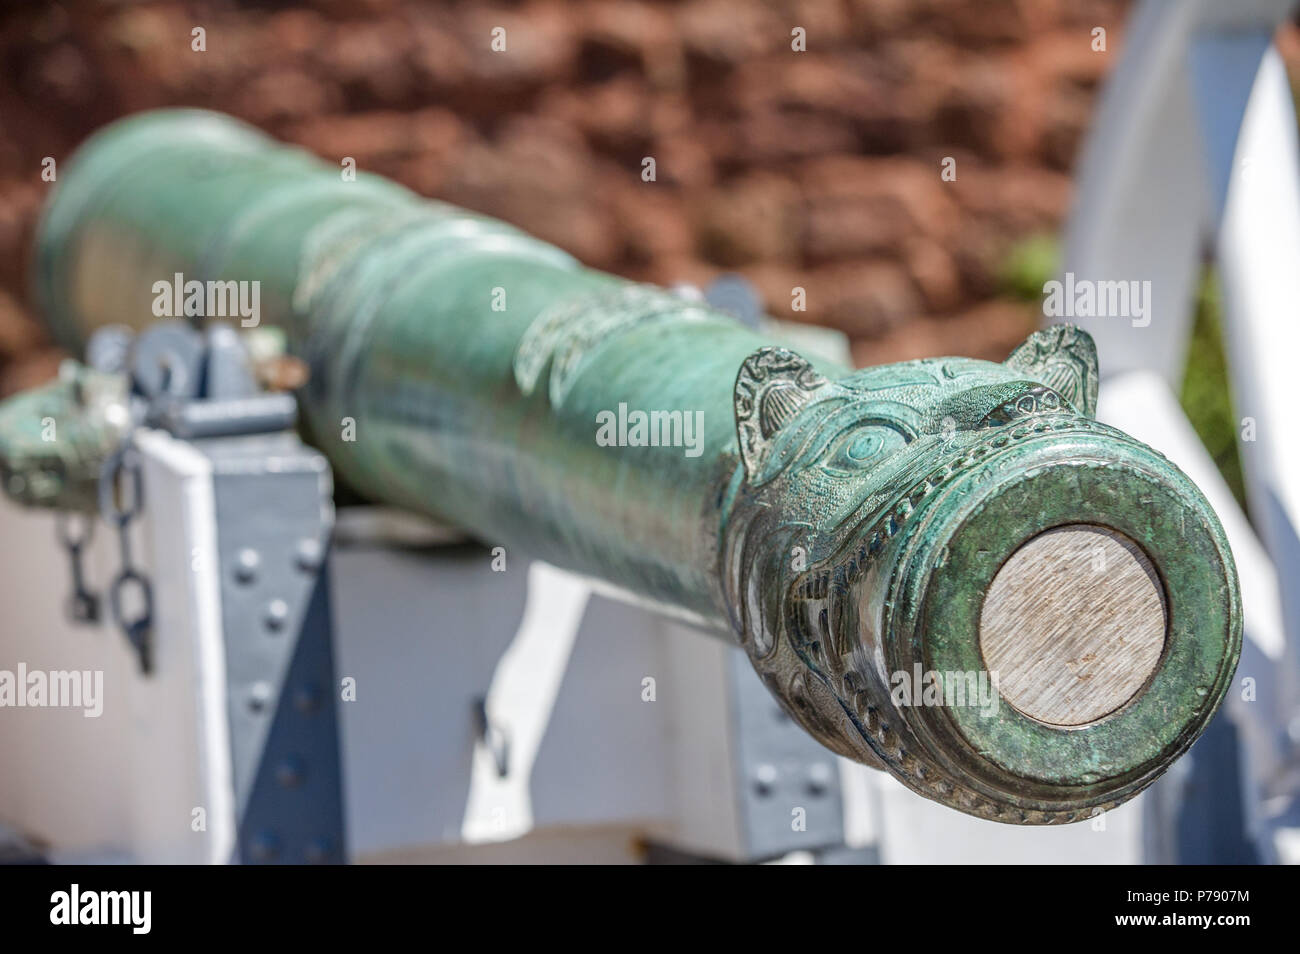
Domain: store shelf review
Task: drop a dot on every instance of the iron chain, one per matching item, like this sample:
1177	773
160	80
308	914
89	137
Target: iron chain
120	503
75	531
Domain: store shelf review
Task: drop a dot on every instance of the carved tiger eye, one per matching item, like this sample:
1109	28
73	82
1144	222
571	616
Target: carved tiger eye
865	446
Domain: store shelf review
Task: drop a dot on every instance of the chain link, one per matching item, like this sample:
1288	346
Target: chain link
121	501
75	531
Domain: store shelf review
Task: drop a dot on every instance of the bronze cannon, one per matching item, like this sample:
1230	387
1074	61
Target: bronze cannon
945	568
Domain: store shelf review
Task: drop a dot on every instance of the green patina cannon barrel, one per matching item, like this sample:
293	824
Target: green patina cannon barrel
946	568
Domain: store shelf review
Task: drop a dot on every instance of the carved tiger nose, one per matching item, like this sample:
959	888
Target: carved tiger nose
1073	625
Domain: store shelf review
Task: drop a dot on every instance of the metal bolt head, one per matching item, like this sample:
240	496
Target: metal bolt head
318	850
247	563
259	696
277	613
306	698
765	778
263	846
289	773
1293	728
309	555
819	778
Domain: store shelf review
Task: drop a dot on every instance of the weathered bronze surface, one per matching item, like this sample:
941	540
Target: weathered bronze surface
54	439
843	526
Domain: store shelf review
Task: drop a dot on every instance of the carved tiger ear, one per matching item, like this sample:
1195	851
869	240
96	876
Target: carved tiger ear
1064	358
772	387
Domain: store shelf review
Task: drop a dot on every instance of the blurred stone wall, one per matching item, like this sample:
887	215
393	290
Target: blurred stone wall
818	169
